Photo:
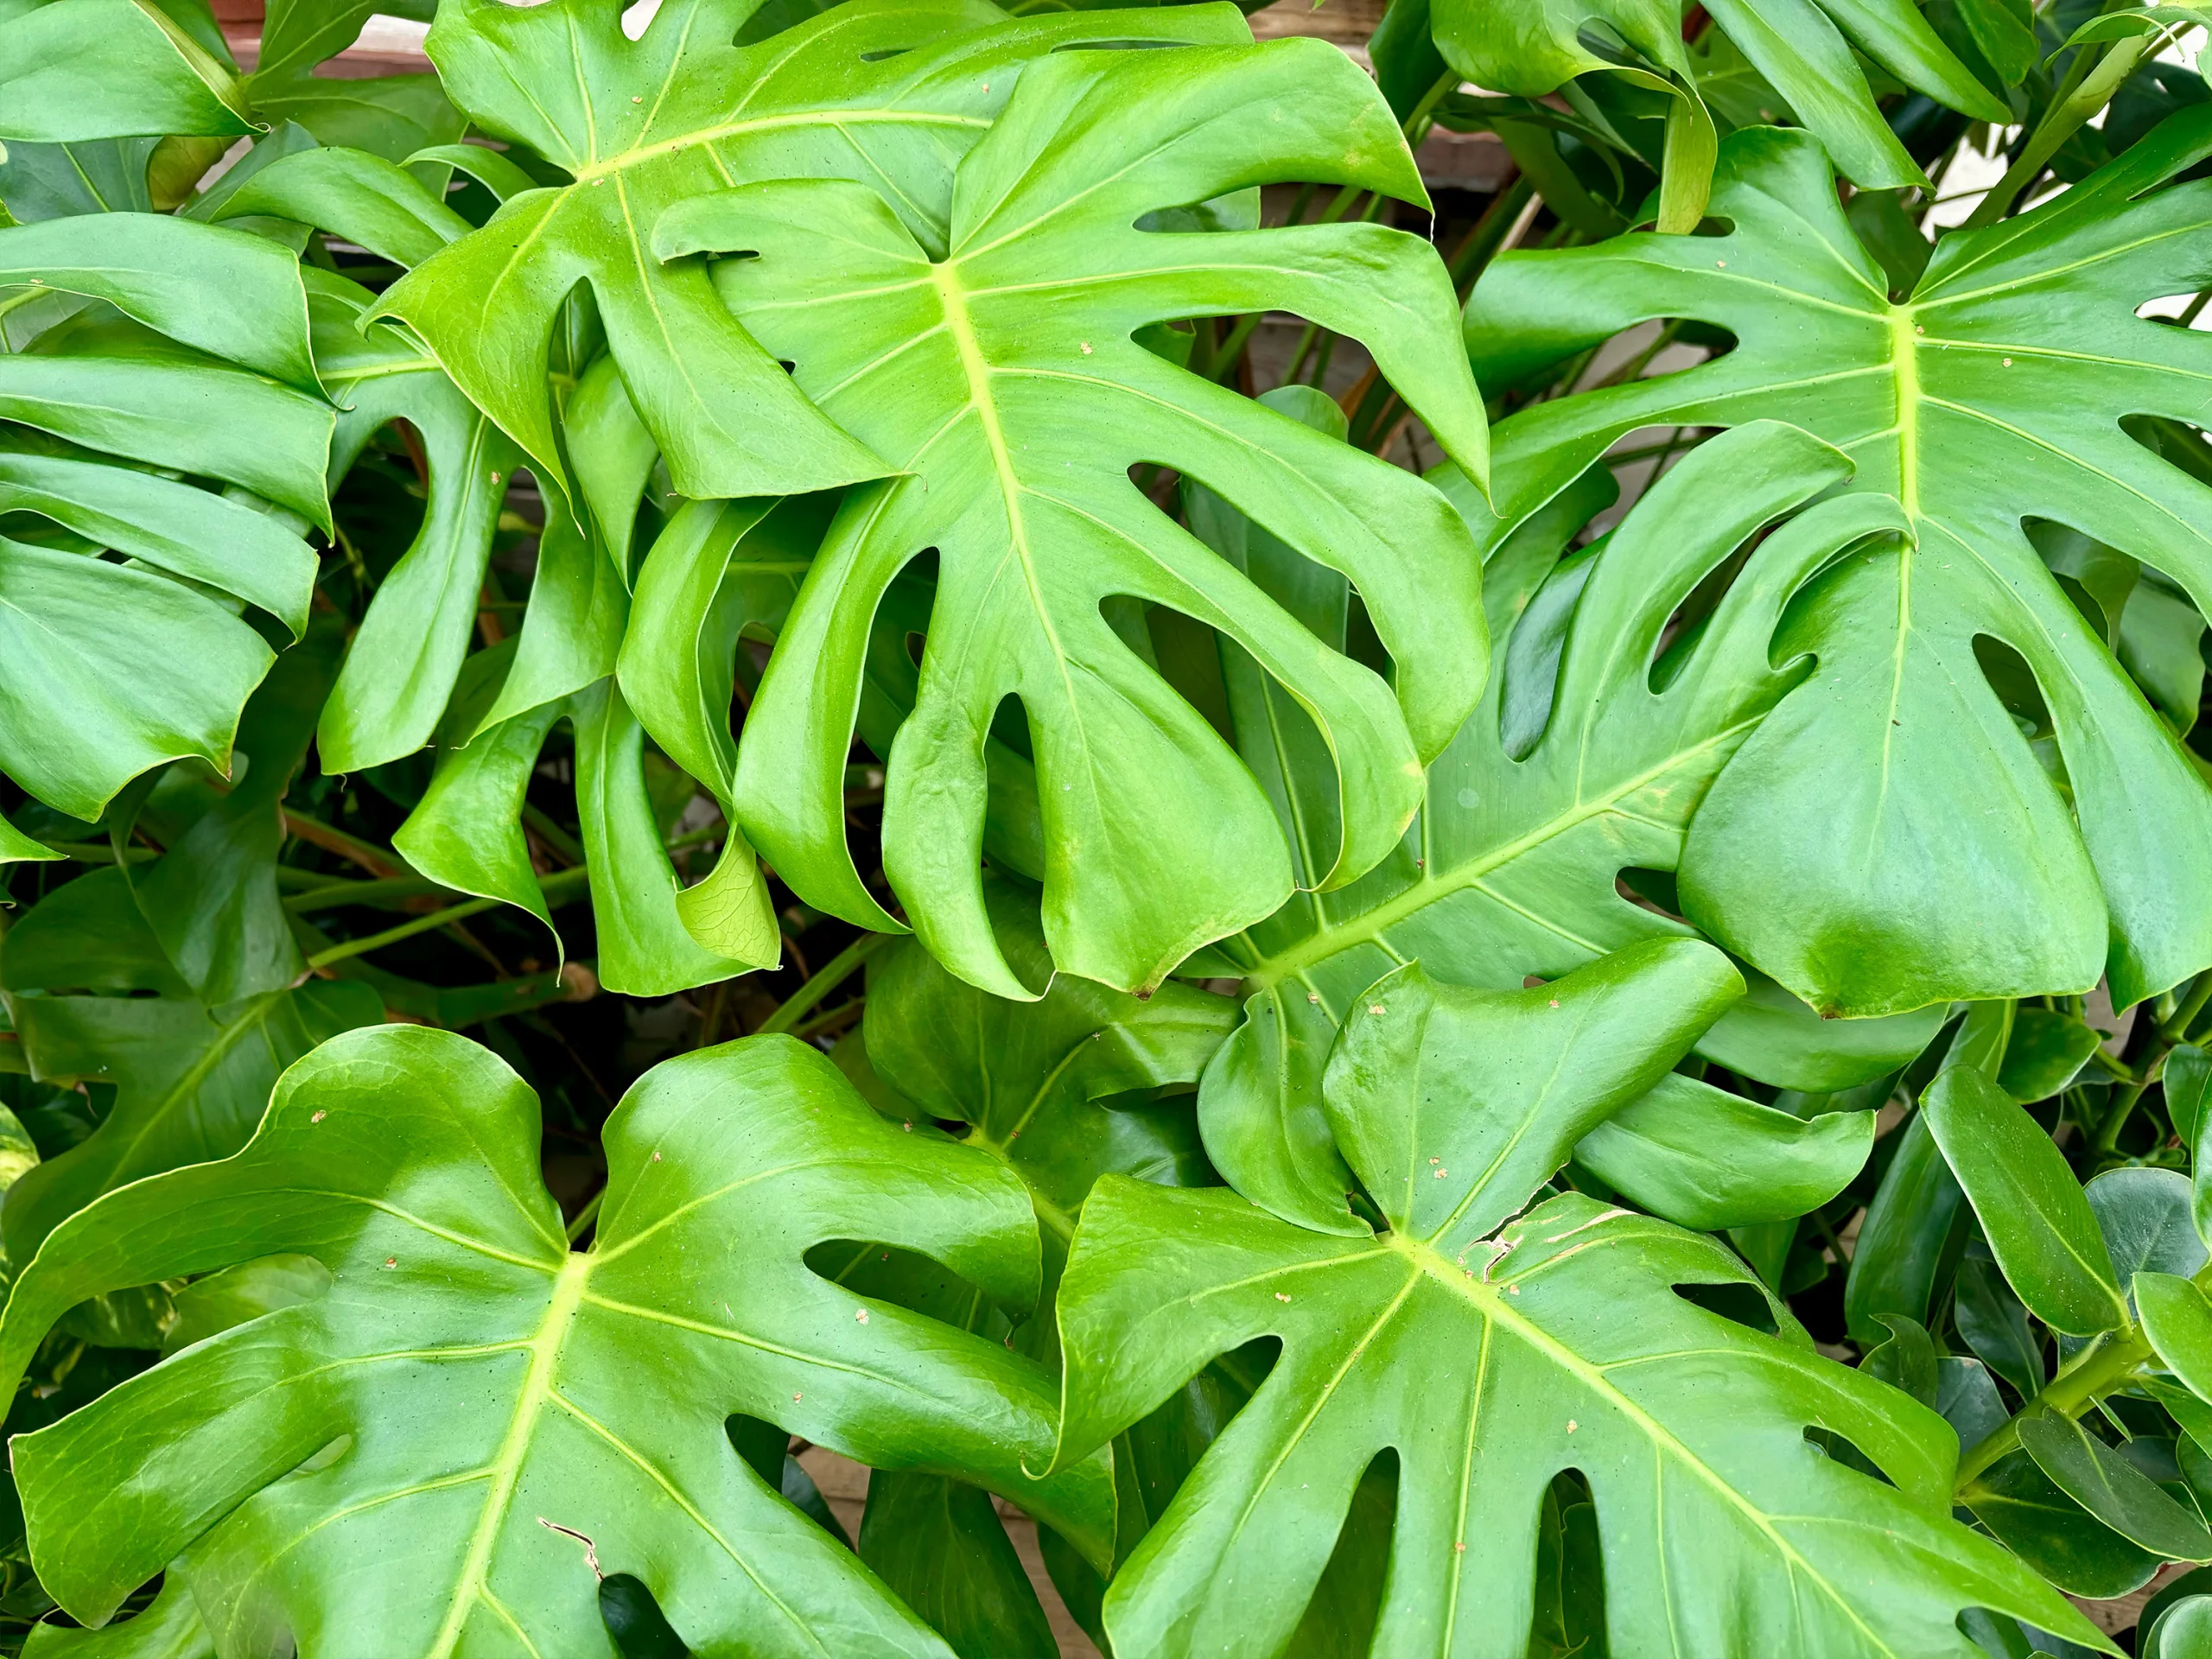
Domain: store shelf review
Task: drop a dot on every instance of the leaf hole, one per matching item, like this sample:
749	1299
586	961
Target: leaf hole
1348	1596
635	1621
1741	1304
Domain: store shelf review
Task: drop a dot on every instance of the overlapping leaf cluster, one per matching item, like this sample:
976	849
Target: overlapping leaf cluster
1348	920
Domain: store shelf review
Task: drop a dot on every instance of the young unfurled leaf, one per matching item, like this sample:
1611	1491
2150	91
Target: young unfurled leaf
2032	1210
1883	839
1004	381
1491	1348
500	1420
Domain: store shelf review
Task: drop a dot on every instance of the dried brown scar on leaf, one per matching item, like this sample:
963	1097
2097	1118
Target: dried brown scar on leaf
591	1550
1586	1226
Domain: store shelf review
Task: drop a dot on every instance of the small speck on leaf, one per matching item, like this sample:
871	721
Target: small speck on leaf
1572	1425
392	1261
1374	1008
1282	1296
861	1318
318	1117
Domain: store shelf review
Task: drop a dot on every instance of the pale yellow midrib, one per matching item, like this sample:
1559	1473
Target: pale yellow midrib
506	1468
961	326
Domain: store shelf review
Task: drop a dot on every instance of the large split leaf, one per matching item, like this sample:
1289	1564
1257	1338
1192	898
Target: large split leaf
109	667
1004	380
870	90
500	1420
1802	46
1583	761
1876	845
1491	1346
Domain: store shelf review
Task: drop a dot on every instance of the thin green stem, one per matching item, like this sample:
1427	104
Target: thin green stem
839	968
586	1216
2109	1360
555	885
2081	95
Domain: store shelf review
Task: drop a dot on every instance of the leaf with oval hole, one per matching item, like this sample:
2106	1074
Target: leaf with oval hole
1875	846
501	1416
1496	1346
1016	419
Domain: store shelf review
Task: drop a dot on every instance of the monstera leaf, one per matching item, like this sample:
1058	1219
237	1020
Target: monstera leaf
399	671
1803	47
183	348
501	1420
1491	1345
1874	846
895	90
1004	382
76	70
1583	761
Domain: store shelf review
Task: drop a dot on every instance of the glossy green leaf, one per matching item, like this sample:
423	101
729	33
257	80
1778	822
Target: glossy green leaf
2183	1630
2053	1534
1512	869
2144	1217
1875	846
1494	1347
2188	1073
72	70
1707	1160
2039	1225
2178	1321
1156	843
513	1414
2113	1490
642	124
2045	1052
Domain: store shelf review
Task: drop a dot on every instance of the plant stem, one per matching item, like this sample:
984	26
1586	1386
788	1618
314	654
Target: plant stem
2083	93
839	968
553	886
2096	1370
586	1216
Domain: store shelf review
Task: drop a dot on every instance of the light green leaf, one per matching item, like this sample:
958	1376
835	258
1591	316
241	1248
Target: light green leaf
1574	768
1493	1357
899	87
2178	1322
72	70
1155	840
1707	1160
573	1415
1874	846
